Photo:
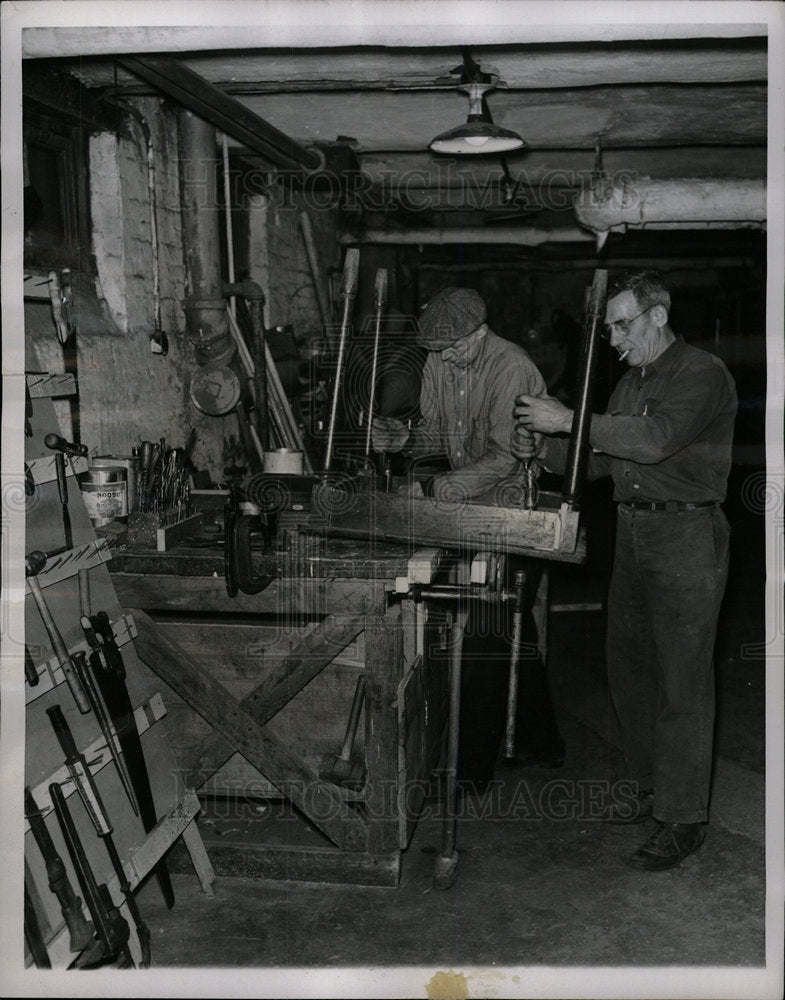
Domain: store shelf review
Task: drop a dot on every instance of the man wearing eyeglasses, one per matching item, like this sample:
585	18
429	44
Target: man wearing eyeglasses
666	440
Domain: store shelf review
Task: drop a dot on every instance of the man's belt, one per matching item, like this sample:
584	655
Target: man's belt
669	506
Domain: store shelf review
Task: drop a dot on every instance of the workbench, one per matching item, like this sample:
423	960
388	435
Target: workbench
260	692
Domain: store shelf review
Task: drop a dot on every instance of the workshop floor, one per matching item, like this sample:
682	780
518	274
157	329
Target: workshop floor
542	880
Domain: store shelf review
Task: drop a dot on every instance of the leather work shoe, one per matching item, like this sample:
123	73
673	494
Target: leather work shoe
637	811
668	846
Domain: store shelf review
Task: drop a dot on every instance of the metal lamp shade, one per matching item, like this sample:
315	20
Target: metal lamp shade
477	136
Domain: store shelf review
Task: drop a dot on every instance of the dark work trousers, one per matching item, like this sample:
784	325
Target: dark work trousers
669	576
485	674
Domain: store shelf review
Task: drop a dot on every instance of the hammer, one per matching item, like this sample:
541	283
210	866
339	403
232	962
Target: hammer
34	563
344	771
61	448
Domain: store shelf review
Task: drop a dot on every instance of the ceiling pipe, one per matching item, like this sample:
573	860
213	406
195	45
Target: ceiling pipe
514	235
615	205
193	92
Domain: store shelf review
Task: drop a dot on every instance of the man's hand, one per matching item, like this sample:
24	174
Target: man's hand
524	445
544	414
388	434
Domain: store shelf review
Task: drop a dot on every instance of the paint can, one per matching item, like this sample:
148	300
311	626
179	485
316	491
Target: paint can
105	494
282	460
131	464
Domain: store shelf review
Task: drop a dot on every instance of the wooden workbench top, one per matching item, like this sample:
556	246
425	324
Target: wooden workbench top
346	558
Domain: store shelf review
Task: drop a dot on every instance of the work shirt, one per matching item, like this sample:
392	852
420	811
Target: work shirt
667	433
467	412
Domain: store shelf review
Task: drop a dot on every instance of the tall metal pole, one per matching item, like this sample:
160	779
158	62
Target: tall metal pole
577	454
379	301
351	268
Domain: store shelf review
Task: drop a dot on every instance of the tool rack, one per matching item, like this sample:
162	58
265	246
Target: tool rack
140	851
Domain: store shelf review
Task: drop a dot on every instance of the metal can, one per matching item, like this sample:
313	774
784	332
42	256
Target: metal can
105	494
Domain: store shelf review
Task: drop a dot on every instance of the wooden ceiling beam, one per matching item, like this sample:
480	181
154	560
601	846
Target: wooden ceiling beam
624	116
528	66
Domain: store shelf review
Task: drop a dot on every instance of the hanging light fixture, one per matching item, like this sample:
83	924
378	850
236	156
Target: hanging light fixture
478	134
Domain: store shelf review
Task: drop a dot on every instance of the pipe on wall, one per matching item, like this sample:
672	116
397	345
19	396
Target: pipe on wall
614	204
205	307
517	235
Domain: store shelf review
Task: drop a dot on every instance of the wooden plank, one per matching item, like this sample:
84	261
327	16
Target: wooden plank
44	384
300	864
340	557
426	521
199	858
67	564
43	469
317	799
157	843
208	595
310	656
168	534
383	668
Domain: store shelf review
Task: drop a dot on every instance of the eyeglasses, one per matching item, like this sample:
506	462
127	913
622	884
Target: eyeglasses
623	324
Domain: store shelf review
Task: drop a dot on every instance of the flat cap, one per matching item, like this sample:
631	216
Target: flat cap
451	314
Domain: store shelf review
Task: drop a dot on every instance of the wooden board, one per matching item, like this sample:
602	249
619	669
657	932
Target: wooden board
464	526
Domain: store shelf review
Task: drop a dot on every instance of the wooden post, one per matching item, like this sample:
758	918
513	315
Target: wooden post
383	659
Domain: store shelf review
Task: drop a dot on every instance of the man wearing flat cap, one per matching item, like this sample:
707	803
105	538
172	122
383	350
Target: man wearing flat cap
470	382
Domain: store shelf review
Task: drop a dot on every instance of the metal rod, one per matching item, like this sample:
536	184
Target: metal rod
447	859
380	301
228	220
515	655
350	272
577	455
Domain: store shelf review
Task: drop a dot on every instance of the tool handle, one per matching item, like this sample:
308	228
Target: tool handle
31	674
351	270
80	773
62	482
57	443
59	647
33	935
380	289
354	718
63	733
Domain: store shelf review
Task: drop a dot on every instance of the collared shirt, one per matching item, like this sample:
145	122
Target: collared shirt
467	412
667	433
